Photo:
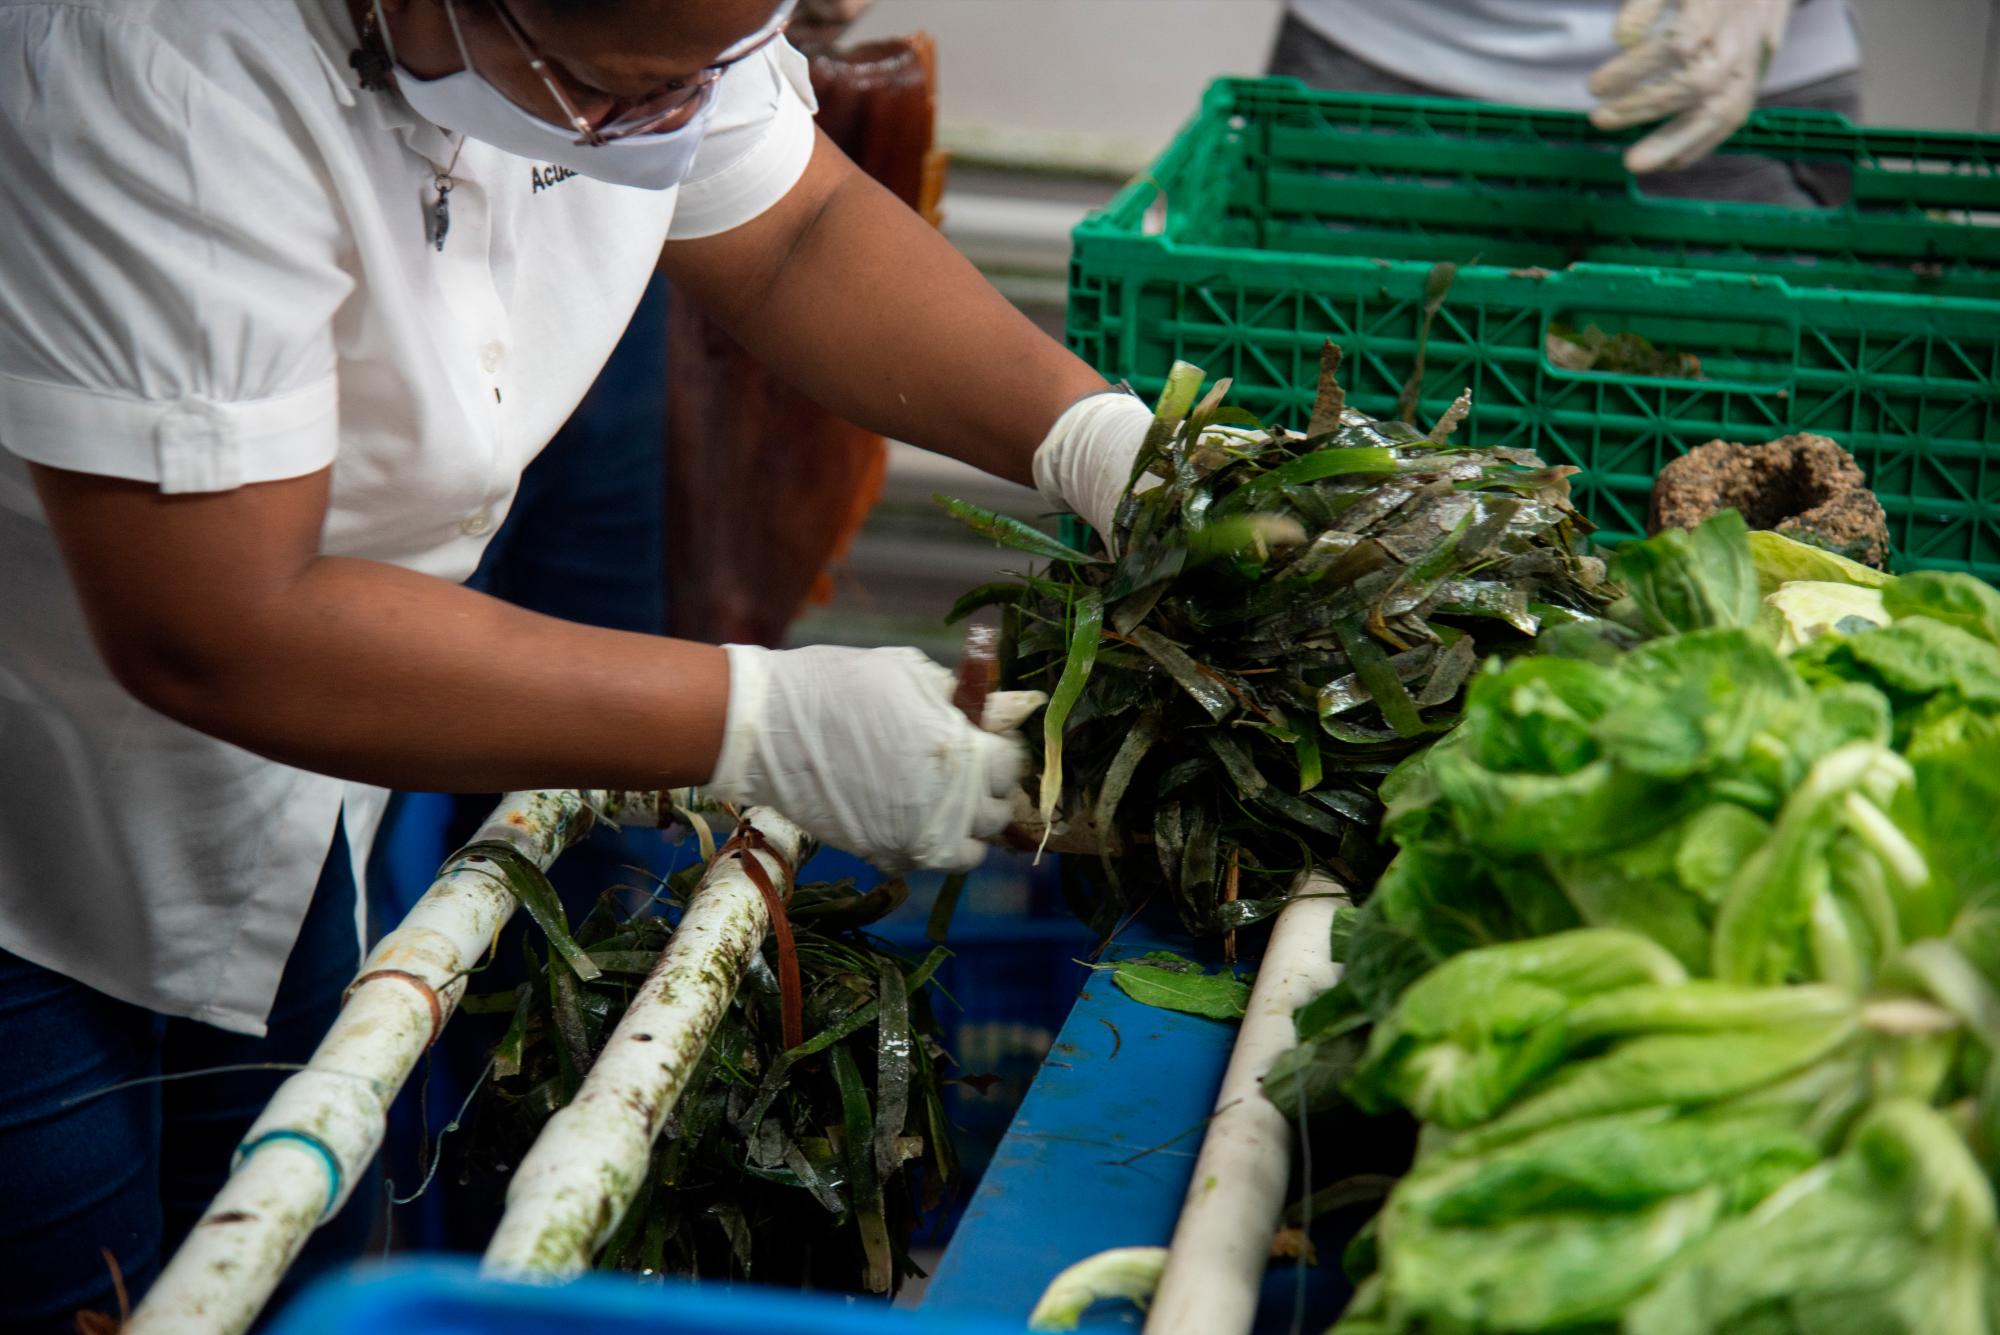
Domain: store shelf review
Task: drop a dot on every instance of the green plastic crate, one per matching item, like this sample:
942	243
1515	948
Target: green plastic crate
1281	217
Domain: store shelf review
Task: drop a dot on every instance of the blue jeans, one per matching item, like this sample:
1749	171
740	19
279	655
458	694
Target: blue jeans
132	1169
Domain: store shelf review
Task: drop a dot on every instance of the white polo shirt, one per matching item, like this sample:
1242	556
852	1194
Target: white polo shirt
1541	52
214	271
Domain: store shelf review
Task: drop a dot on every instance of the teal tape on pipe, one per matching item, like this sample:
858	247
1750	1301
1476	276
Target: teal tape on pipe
311	1142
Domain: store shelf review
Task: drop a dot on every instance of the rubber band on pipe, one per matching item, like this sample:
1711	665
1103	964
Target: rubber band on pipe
404	975
328	1159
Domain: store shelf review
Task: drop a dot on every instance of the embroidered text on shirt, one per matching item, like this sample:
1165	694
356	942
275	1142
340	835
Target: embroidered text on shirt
546	177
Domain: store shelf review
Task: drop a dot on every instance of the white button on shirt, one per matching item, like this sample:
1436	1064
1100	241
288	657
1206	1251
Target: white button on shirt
214	272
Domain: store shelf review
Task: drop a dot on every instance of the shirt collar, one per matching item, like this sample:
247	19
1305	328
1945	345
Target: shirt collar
334	38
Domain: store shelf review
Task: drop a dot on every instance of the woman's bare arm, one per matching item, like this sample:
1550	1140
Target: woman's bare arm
852	297
216	610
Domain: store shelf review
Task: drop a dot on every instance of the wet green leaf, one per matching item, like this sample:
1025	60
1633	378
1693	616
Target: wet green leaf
1083	644
530	885
1011	532
944	907
1217	996
1312	1077
998	594
1187	674
863	1181
893	1061
507	1054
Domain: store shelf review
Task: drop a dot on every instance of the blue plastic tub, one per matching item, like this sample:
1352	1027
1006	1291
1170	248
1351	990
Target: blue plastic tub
1101	1154
433	1296
1011	980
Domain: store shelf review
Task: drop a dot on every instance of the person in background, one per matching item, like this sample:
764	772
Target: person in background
1700	64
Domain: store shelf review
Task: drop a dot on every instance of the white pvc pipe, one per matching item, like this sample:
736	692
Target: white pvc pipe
1223	1240
302	1156
583	1171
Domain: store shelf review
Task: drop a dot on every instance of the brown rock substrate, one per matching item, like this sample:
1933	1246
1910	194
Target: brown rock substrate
1803	486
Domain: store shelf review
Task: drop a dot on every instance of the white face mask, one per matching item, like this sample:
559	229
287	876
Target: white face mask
469	104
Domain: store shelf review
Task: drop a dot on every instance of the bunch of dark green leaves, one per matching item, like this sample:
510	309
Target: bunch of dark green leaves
1279	618
1689	966
806	1166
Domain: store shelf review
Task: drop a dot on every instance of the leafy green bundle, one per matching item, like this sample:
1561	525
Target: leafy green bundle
1287	615
790	1167
1690	967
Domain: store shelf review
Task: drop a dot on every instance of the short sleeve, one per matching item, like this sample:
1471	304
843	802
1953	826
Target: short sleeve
169	261
756	148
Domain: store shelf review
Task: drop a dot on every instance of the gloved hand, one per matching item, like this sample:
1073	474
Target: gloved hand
864	749
1699	61
1084	462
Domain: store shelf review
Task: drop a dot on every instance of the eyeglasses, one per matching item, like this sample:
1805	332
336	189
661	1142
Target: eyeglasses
665	108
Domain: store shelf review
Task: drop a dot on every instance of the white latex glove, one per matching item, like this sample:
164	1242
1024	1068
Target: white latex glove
1699	61
1084	462
864	749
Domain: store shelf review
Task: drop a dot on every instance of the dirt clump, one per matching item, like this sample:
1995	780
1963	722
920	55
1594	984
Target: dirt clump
1803	486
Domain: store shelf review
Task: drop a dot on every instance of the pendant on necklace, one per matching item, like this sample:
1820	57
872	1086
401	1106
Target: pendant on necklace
438	216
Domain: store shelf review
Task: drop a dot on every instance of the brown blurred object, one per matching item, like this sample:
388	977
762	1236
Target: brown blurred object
1803	486
818	24
764	487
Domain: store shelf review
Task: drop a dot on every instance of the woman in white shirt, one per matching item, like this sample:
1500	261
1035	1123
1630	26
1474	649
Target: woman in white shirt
292	291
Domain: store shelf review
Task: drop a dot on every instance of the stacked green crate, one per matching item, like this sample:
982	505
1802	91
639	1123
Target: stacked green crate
1281	217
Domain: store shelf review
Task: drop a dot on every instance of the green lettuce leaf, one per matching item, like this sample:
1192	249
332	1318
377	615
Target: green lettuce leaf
1781	560
1959	600
1804	610
1219	996
1684	579
1896	1237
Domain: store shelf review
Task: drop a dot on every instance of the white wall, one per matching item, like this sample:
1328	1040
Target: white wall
1931	62
1078	81
1108	81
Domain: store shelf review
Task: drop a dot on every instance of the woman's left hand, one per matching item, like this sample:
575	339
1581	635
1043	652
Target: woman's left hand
1085	462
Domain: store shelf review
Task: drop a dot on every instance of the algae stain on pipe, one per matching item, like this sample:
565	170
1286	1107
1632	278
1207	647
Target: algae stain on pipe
325	1123
581	1175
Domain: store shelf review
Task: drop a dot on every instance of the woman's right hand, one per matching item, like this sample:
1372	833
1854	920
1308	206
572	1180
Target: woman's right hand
864	749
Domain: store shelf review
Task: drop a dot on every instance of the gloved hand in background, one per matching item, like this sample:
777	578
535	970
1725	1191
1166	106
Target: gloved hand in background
864	749
1698	61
